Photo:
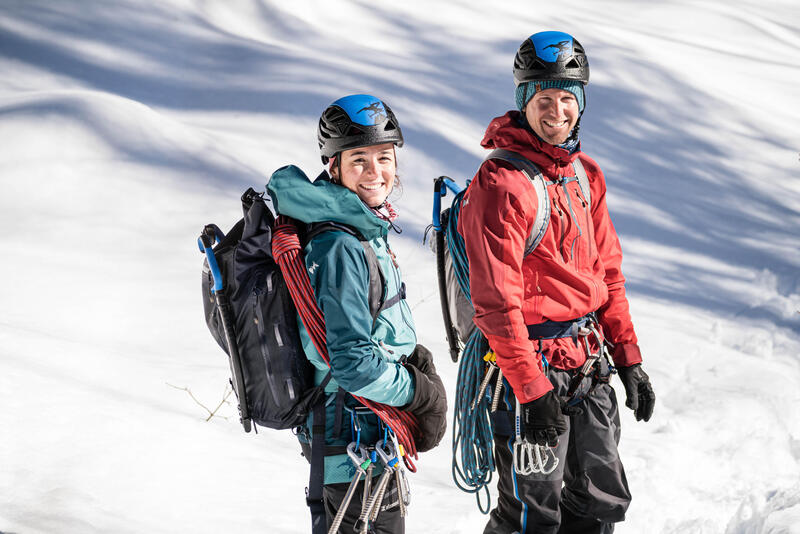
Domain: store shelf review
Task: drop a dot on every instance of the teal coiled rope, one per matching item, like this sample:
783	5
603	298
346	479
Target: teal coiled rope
473	460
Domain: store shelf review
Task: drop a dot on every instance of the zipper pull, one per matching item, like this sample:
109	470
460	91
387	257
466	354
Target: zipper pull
580	197
557	207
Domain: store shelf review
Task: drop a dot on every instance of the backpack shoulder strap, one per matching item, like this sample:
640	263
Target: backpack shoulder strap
583	180
377	280
535	176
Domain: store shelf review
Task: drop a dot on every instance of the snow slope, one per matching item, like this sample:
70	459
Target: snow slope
125	128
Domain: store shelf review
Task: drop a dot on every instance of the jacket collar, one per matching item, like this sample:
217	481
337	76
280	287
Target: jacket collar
295	195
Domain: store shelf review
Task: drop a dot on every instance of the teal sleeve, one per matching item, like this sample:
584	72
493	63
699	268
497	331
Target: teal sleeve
337	266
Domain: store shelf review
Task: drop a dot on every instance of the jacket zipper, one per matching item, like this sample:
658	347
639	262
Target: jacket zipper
562	226
589	238
586	208
398	284
574	219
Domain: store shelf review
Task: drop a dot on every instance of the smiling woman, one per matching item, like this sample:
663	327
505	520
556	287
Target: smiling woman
369	331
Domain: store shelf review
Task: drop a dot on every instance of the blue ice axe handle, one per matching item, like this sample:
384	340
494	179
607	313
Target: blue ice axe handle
440	187
210	236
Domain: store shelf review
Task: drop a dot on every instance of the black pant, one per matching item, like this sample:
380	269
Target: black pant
389	520
586	494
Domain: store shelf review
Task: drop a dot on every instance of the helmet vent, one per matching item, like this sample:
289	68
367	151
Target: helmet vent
354	130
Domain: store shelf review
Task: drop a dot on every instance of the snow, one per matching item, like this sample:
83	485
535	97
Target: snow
125	127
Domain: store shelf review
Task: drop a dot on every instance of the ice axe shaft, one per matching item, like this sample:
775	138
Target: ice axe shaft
212	234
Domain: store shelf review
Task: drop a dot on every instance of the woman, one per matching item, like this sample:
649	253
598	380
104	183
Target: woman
369	333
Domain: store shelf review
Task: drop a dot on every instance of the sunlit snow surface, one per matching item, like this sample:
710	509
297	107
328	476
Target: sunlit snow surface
127	126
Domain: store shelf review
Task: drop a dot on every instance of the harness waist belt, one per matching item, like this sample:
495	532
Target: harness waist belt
559	329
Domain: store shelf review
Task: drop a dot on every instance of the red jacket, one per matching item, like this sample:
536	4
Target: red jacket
574	270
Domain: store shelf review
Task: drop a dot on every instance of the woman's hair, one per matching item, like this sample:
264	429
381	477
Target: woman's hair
397	188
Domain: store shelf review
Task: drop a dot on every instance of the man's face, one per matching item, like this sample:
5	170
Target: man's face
552	114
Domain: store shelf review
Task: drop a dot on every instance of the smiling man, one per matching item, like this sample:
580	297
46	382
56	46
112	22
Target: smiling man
549	295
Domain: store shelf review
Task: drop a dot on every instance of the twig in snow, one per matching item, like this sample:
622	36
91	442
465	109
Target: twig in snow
211	413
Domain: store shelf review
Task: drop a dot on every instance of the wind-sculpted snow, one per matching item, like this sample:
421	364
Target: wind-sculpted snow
127	126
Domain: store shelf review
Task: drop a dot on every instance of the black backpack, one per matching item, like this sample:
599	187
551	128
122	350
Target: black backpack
250	314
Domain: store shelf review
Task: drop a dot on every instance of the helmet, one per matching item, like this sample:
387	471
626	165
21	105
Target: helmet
355	121
550	56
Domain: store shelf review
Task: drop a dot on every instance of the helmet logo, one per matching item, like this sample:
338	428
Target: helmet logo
561	47
377	113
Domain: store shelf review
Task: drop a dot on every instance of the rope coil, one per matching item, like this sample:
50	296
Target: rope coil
473	443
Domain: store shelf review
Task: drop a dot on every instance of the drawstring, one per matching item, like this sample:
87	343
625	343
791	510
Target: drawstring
389	216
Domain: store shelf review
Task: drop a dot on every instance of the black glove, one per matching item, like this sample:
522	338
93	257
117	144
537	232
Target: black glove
422	359
640	396
429	404
543	420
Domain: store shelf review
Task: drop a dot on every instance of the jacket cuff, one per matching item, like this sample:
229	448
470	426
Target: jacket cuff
627	354
534	389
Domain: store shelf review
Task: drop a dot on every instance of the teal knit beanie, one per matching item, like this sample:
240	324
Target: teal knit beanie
525	91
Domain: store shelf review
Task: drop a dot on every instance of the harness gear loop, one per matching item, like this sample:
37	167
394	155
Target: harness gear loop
590	367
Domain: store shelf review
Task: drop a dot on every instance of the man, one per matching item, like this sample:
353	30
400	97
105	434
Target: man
548	311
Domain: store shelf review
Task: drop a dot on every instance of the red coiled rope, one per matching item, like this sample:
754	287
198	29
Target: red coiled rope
287	253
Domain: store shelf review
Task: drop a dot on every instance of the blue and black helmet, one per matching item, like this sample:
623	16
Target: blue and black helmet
355	121
550	56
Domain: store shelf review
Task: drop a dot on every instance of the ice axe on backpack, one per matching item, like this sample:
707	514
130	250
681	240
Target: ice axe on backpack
440	187
211	235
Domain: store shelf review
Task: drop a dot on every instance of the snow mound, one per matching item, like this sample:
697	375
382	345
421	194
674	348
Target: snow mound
775	513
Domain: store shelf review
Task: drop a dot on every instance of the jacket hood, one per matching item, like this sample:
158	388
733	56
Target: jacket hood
295	195
509	132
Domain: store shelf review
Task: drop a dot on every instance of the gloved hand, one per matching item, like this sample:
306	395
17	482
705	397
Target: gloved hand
543	419
429	404
640	396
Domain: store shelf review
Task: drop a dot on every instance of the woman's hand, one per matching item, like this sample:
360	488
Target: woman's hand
429	404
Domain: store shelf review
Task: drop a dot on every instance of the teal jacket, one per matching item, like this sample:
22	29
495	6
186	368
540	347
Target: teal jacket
364	355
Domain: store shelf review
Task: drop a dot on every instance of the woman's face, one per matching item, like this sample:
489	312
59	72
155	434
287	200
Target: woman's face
368	171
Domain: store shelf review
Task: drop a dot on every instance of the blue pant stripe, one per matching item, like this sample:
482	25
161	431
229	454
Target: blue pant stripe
510	442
